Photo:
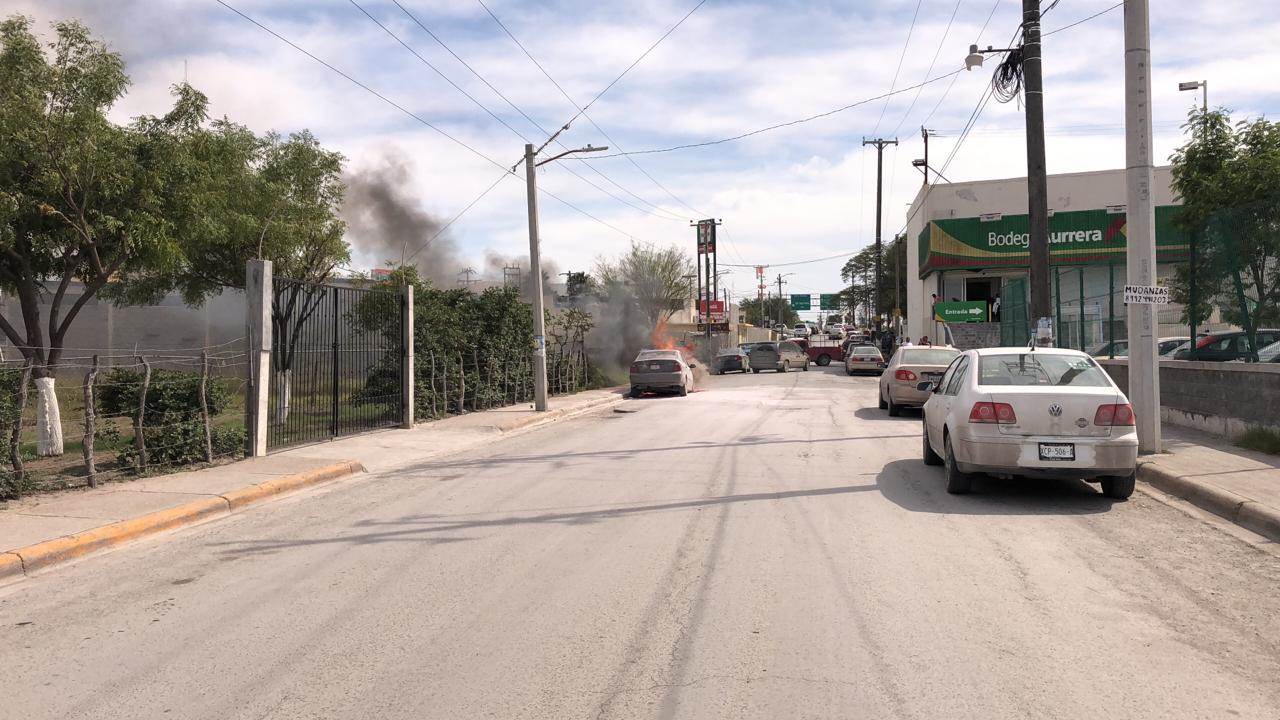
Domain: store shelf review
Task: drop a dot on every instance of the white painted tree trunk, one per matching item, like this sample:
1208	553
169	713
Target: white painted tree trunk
48	419
284	384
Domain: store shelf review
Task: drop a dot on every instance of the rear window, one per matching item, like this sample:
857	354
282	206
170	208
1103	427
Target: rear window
1041	369
928	357
765	346
868	350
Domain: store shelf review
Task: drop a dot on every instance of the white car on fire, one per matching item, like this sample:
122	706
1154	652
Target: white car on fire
1032	413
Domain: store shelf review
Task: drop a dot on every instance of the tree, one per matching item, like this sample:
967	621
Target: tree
659	281
859	274
269	198
82	199
766	314
1228	178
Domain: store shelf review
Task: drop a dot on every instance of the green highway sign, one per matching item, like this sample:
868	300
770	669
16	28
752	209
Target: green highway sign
829	301
801	302
961	312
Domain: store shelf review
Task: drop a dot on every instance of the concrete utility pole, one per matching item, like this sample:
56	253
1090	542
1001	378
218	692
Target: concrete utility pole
1037	175
1144	371
879	143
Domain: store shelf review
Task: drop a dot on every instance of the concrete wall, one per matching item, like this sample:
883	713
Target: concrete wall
1222	398
1071	191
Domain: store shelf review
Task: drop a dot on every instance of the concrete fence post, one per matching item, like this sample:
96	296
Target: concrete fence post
257	292
406	355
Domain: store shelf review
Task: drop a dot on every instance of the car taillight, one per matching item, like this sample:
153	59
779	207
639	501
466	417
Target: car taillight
994	413
637	367
1114	415
905	375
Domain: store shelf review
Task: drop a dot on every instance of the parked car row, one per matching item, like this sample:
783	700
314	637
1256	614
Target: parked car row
1227	346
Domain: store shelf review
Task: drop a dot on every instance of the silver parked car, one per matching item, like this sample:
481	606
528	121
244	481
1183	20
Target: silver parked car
778	356
863	358
1046	412
661	371
908	367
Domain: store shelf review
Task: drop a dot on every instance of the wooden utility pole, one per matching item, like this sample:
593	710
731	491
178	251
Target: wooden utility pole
880	145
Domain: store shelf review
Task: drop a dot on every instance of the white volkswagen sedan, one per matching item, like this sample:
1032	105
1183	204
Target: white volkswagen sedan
1046	412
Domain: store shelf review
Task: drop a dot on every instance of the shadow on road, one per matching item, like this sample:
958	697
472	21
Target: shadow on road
914	486
911	415
426	528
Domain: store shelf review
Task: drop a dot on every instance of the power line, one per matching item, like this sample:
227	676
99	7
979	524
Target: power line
976	41
1082	20
481	105
932	62
778	126
582	110
902	56
401	108
666	213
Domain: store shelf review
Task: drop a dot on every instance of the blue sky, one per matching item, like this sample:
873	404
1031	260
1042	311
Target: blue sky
801	192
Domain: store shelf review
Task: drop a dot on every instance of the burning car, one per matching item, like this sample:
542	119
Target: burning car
661	371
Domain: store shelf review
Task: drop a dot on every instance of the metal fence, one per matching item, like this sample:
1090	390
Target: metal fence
336	358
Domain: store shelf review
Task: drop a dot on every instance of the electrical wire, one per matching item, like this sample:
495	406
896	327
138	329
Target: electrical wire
1082	20
901	56
414	116
582	110
789	123
932	62
660	211
977	41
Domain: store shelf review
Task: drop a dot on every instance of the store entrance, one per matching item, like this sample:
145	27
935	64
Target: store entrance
986	289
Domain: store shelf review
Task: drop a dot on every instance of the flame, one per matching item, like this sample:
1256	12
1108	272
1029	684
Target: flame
660	340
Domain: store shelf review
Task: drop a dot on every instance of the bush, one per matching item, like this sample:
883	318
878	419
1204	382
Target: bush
173	427
1261	439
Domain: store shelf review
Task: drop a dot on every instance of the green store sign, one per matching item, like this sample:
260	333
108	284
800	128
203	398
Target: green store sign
1080	237
961	311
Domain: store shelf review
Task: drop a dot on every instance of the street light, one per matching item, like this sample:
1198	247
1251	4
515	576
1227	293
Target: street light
922	163
535	264
1203	87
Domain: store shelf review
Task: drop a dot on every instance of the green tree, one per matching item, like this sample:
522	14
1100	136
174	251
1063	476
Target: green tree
1228	178
82	199
766	314
658	281
858	273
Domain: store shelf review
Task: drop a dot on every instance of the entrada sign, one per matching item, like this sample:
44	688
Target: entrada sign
961	311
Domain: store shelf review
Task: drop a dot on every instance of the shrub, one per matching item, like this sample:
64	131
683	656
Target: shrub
172	426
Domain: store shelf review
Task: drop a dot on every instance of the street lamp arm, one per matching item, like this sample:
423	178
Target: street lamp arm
586	149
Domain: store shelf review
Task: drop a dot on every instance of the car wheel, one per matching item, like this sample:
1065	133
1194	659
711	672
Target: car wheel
806	366
786	366
882	403
635	392
824	360
1119	488
684	391
958	483
755	371
930	457
894	410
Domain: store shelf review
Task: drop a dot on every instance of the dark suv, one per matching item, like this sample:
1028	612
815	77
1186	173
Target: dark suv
1226	346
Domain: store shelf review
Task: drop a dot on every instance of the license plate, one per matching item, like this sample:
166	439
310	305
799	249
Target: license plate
655	367
1057	451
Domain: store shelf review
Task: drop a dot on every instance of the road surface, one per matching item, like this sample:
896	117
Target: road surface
769	547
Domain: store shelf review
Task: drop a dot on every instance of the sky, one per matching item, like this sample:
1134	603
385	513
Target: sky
800	192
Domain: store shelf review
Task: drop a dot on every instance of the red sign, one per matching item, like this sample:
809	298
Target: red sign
717	307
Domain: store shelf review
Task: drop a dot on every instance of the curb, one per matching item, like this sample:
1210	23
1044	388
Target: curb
1245	512
560	414
24	560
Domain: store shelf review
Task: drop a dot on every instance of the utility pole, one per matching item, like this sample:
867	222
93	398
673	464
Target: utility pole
468	272
535	265
780	301
924	133
880	144
1140	253
1037	174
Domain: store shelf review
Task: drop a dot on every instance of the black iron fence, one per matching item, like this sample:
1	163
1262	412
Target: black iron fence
332	347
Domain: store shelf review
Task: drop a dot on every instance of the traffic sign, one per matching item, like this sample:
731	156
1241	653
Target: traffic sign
801	302
961	312
1146	295
720	327
829	301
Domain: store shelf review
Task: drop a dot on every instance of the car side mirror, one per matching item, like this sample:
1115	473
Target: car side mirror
925	386
693	365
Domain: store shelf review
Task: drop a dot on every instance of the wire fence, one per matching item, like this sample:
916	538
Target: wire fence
452	382
100	415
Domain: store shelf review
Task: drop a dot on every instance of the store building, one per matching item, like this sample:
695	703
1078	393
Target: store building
969	242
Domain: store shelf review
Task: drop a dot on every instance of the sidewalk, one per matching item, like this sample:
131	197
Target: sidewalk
47	529
1240	485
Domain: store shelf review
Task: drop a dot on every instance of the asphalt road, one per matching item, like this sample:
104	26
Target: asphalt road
769	547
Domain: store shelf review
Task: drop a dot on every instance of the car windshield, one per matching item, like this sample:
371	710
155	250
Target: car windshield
935	356
1041	369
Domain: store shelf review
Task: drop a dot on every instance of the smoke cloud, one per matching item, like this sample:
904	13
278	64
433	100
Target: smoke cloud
385	222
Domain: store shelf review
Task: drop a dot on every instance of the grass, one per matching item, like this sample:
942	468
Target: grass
1261	439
